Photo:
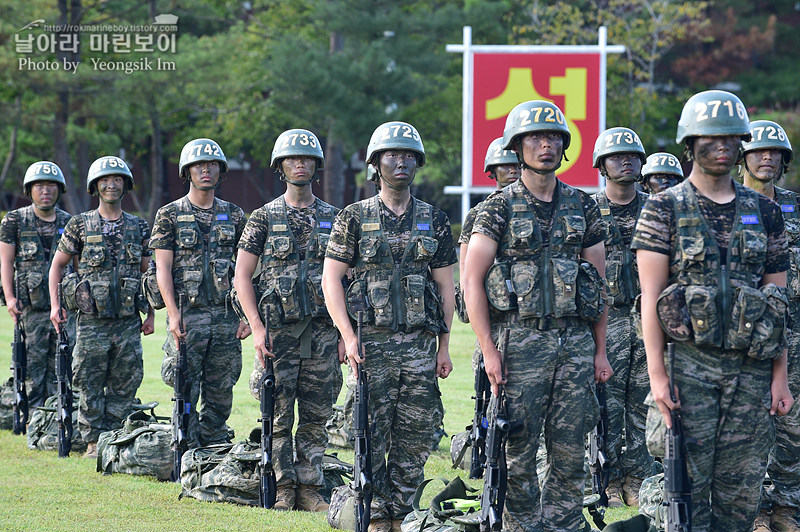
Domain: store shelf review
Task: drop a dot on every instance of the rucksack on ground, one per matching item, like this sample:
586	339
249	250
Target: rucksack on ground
42	431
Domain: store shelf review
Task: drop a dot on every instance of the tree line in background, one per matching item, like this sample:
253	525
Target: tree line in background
245	71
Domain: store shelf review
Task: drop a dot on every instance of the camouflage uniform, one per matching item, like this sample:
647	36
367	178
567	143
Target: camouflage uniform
291	243
107	359
784	465
550	354
34	240
404	399
725	394
627	413
199	237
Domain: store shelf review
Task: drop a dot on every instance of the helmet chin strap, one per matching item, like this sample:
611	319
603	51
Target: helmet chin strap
526	166
394	187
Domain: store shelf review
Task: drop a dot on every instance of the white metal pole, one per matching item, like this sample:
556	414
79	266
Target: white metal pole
602	42
466	124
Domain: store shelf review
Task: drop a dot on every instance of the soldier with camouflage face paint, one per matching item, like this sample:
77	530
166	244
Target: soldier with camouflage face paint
765	160
289	237
660	172
619	155
194	241
712	260
111	246
402	254
536	255
28	239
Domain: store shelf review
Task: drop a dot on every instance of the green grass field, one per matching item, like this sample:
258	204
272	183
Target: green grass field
39	491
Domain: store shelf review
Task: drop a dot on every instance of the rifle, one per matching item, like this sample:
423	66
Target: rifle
362	466
19	371
598	458
64	387
267	491
495	477
677	484
477	435
182	407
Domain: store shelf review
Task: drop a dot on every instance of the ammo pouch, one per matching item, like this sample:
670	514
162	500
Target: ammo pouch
590	300
289	298
701	301
316	298
748	307
379	297
150	287
220	280
769	333
636	316
101	293
36	290
413	287
673	314
68	285
617	279
434	308
526	285
128	295
565	277
190	286
318	246
425	248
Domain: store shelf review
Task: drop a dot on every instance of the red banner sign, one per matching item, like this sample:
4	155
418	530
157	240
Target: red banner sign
571	81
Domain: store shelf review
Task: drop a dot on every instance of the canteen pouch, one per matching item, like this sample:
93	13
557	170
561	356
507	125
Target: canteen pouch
524	281
37	291
499	288
565	277
221	279
150	287
590	285
270	298
769	333
129	289
702	304
68	285
673	314
748	307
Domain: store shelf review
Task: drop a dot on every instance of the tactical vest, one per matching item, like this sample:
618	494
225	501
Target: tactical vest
32	261
722	302
791	219
398	296
200	271
538	281
622	272
291	280
114	290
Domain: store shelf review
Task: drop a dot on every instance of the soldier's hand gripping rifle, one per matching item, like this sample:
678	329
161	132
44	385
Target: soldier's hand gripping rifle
19	371
495	477
267	491
64	386
362	466
477	435
677	484
598	458
182	405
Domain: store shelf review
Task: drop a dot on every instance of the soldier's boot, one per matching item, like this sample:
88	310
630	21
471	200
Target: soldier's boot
630	490
762	522
380	525
614	492
284	498
783	519
91	450
309	499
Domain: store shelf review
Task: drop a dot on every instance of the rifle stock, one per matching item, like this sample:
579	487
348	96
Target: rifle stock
64	386
598	458
362	467
677	484
182	406
495	476
19	372
477	436
268	488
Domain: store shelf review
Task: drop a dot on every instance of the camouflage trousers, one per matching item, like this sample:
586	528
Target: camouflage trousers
314	384
405	408
627	390
550	387
725	399
214	363
41	342
107	370
784	463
